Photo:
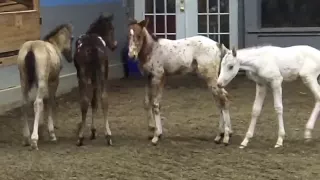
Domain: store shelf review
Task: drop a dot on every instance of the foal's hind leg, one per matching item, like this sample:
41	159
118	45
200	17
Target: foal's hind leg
84	105
313	85
38	110
105	107
148	109
277	96
51	109
94	107
24	109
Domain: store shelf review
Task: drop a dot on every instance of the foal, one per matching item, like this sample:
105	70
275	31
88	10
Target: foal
91	62
269	66
39	64
161	57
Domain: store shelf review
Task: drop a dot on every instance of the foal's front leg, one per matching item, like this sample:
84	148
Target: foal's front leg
148	108
220	95
157	85
261	91
277	97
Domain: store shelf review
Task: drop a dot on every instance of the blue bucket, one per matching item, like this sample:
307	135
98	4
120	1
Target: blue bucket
132	65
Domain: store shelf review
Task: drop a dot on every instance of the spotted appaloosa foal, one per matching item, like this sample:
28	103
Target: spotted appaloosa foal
161	57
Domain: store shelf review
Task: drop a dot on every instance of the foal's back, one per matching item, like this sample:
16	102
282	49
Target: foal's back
182	52
47	58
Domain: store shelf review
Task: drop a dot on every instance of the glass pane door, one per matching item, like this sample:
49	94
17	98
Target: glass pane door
162	17
213	20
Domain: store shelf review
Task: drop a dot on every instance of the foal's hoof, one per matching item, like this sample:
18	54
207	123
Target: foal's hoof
80	141
278	146
226	141
34	145
242	147
218	138
93	134
155	140
109	140
151	128
26	142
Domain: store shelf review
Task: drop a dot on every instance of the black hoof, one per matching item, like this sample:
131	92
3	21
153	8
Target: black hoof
93	134
226	144
218	142
80	141
109	140
150	137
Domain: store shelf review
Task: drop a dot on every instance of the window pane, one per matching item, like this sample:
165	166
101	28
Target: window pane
202	6
224	23
213	24
171	6
224	6
290	13
224	38
172	37
149	6
159	6
202	24
171	24
214	37
213	6
160	24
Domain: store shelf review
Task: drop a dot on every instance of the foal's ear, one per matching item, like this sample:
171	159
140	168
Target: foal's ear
144	23
234	52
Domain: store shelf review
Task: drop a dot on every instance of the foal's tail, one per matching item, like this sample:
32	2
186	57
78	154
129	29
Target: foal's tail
27	66
30	66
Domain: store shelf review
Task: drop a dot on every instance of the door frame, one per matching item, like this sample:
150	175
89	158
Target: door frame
187	20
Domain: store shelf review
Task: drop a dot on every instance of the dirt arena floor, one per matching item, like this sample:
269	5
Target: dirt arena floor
187	150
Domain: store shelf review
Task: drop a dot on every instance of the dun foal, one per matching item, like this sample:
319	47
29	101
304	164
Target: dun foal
161	57
91	62
39	64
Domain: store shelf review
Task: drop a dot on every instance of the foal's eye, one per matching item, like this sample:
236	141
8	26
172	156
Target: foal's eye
230	67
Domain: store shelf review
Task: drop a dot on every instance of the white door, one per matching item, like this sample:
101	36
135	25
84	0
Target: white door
166	17
175	19
217	19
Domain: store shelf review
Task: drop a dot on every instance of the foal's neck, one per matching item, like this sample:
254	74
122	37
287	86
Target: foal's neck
248	60
147	46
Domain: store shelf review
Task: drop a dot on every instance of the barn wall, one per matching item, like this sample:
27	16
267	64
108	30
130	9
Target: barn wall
81	13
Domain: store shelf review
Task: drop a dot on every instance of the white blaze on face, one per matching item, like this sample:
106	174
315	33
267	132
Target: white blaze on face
132	47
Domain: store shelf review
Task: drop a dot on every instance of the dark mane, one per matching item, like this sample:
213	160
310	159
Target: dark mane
93	24
103	16
55	31
155	38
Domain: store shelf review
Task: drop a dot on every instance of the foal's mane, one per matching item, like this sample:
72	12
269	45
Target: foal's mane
105	16
154	37
55	31
257	47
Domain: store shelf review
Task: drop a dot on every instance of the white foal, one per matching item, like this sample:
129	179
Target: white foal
269	66
159	58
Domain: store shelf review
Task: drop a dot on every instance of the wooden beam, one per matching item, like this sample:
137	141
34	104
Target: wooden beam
28	3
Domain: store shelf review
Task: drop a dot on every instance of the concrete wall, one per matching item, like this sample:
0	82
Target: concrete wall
255	35
81	13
